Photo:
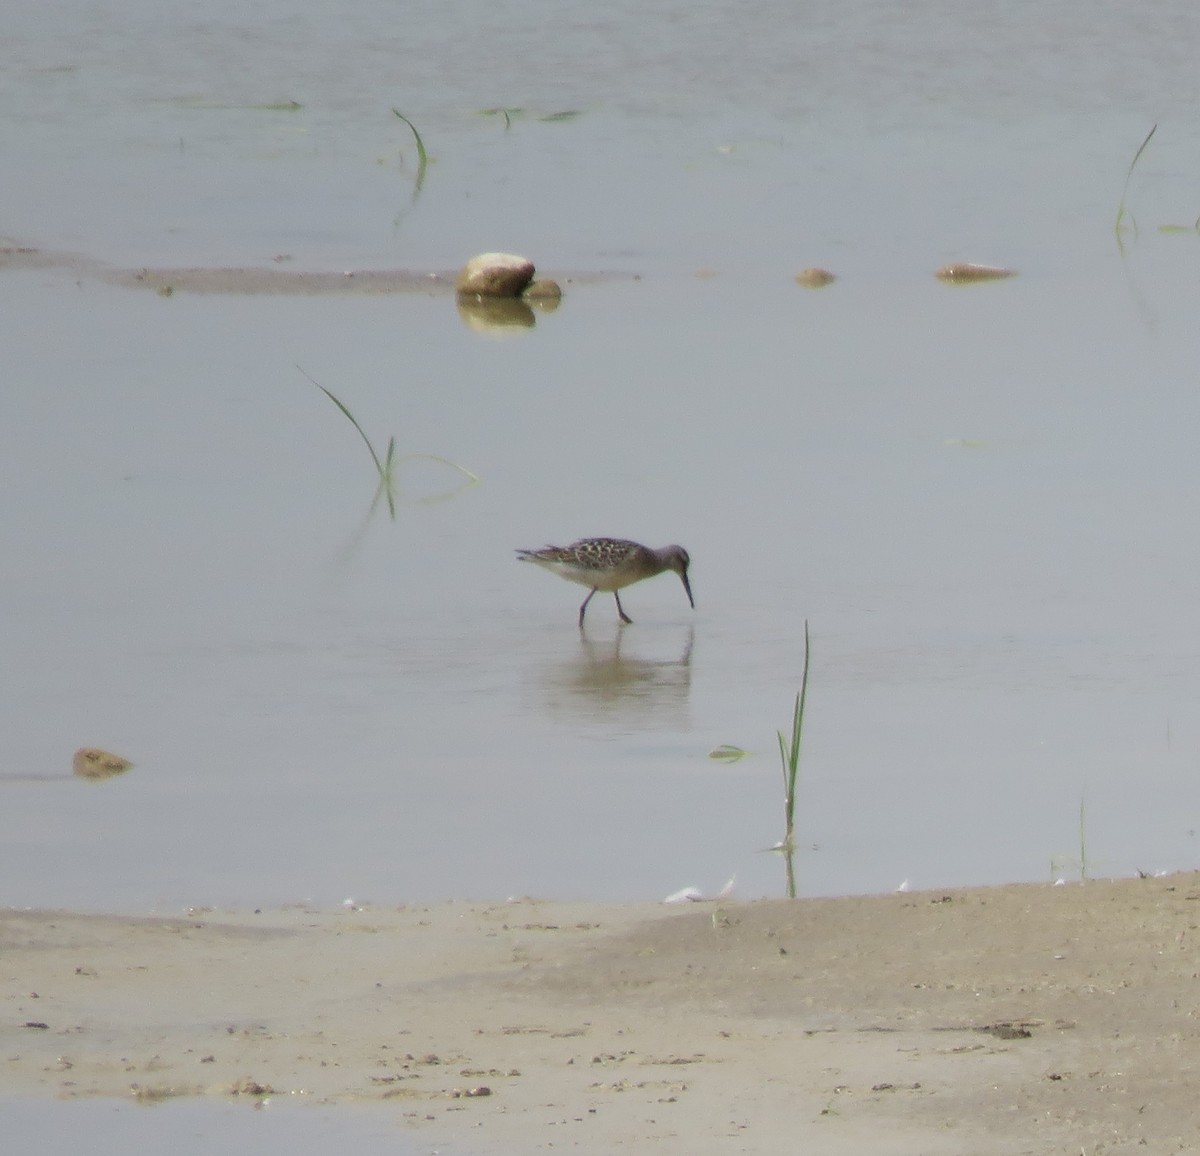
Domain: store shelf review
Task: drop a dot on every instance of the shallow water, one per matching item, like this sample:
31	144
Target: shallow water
197	1126
978	496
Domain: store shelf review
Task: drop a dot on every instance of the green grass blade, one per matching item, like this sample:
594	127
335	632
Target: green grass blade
1122	213
790	754
509	114
386	477
422	155
799	720
383	474
361	432
385	491
474	478
789	751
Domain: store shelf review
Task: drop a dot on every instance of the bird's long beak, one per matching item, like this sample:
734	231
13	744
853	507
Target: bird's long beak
688	587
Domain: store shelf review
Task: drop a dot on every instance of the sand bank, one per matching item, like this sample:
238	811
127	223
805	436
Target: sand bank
1002	1020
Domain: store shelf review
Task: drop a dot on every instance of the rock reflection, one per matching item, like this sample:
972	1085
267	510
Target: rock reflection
604	678
495	314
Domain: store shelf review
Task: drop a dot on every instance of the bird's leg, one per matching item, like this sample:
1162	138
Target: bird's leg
583	608
620	609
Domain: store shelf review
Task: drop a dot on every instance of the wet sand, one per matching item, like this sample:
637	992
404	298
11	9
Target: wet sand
1026	1018
276	280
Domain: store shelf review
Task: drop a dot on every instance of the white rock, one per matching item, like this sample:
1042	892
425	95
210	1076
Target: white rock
495	275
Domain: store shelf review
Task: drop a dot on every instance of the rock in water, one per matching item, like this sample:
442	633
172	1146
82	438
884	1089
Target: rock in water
495	275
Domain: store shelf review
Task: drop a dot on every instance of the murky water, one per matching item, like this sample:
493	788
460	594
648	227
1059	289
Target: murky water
190	1126
979	497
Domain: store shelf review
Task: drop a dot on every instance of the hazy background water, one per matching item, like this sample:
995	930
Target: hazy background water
981	498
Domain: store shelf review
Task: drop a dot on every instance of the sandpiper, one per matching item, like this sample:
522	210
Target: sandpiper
610	564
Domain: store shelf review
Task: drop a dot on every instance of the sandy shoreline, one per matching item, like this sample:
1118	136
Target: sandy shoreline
1026	1018
275	279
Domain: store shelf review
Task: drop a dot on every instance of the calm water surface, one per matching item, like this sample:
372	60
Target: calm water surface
196	1127
980	498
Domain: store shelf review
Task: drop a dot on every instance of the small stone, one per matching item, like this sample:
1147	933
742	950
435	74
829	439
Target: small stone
543	290
963	271
495	275
93	763
544	296
814	278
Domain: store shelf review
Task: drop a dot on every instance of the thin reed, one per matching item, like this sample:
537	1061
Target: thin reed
1060	865
789	757
385	467
1122	212
789	751
509	114
422	155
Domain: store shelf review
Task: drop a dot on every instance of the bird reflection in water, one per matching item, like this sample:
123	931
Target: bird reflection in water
613	677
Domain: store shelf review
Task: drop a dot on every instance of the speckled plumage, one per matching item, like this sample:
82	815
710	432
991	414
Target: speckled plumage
610	564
